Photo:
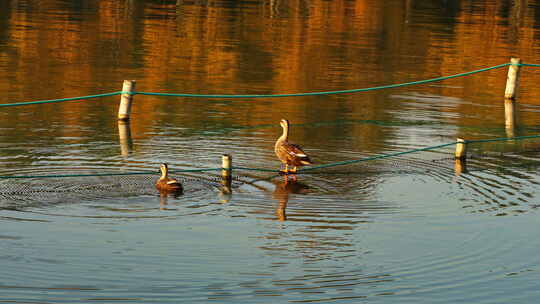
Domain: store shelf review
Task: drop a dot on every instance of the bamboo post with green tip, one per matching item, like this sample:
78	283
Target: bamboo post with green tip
124	111
512	81
226	173
461	148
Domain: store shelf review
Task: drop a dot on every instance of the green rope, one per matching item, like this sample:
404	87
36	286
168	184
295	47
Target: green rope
58	100
105	174
255	169
348	162
76	175
502	139
323	93
529	65
341	163
195	170
267	95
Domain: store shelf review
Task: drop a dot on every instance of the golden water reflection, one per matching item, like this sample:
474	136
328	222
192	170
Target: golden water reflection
124	136
164	196
53	50
288	185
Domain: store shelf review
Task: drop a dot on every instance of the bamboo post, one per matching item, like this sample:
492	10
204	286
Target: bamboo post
512	81
124	136
461	148
124	111
226	173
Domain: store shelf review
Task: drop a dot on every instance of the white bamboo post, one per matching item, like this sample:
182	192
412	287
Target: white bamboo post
226	173
124	111
461	148
512	81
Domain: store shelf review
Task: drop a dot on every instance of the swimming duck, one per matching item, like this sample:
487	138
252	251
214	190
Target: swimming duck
165	183
288	153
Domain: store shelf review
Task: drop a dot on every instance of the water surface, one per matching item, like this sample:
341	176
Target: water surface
417	228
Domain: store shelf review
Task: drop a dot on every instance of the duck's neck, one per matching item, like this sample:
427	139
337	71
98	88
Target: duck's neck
163	174
285	135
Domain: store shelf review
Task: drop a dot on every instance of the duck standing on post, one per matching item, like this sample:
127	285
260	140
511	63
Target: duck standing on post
288	153
167	184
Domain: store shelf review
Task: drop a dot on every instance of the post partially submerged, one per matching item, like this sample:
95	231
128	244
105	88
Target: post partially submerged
460	165
510	94
226	173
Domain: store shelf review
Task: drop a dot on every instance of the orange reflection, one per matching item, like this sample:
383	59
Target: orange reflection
124	136
282	191
460	166
206	51
164	197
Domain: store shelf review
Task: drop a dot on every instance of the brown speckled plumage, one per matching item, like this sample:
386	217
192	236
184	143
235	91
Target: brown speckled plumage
165	183
288	153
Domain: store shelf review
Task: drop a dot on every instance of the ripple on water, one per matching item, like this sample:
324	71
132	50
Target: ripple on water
315	236
310	199
336	198
504	184
107	196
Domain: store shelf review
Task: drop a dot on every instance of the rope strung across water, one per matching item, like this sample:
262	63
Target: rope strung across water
58	100
348	162
335	164
327	92
502	139
107	174
267	95
77	175
528	65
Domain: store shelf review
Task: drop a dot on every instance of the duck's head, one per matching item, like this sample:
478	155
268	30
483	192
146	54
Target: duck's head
284	123
163	168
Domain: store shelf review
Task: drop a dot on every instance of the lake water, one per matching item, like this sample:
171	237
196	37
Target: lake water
415	228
